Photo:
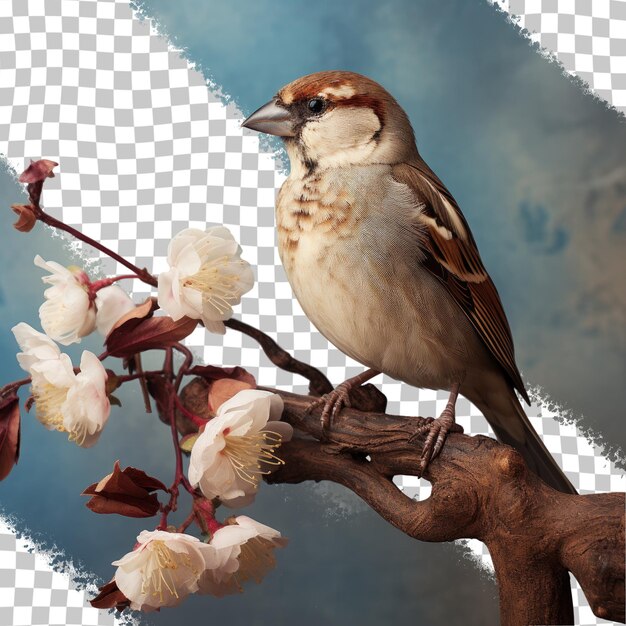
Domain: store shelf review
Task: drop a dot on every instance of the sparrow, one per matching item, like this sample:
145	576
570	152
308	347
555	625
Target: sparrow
384	264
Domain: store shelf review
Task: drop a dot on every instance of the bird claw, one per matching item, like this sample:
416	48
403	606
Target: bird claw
437	430
333	402
422	429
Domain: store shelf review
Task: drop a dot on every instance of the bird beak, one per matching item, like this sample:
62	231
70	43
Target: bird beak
273	119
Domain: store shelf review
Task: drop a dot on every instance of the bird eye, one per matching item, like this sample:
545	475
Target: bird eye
316	105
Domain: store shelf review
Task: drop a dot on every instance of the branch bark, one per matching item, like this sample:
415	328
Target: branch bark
480	489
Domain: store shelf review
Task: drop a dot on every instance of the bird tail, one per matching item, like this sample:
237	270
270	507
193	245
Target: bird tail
511	425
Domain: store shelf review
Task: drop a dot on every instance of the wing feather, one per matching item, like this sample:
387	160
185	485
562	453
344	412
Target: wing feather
453	257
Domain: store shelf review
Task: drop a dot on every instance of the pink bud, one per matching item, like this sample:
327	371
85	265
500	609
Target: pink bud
38	171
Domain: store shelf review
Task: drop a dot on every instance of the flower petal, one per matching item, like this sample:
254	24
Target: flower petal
57	372
169	294
163	569
185	238
35	346
112	303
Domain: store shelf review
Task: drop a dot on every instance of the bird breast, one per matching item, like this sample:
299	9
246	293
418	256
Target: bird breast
351	249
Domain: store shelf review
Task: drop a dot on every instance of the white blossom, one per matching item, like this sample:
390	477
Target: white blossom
65	401
206	277
111	304
163	569
36	346
245	551
87	407
237	446
68	312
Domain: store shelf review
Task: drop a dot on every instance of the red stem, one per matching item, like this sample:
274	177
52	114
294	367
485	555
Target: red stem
173	490
185	366
145	276
107	282
179	476
188	521
170	506
168	364
213	525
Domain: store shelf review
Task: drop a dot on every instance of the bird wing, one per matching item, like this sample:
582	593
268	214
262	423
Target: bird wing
453	257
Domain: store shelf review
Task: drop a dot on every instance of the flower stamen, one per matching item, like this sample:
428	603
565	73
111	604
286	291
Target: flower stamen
217	286
247	452
159	571
79	434
255	560
48	402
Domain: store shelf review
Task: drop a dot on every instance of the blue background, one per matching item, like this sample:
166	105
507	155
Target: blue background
539	169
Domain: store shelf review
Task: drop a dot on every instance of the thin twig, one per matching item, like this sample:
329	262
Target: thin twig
143	384
188	521
188	360
180	476
168	364
96	285
142	273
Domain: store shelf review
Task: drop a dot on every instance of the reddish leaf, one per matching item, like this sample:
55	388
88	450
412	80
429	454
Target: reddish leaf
139	477
132	362
222	390
211	372
141	311
26	217
137	335
125	492
110	597
9	434
129	507
38	171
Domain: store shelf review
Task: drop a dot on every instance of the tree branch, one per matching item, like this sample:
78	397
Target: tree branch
480	489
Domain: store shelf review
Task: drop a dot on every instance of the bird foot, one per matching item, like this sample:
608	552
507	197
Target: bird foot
332	402
437	430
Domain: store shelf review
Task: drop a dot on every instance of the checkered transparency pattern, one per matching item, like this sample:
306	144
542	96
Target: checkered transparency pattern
587	36
32	592
145	150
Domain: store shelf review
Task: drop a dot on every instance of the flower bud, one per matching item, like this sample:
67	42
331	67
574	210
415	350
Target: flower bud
26	217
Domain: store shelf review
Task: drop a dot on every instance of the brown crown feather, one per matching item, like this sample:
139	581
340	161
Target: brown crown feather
367	93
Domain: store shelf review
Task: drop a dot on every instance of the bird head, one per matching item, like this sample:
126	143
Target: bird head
334	119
